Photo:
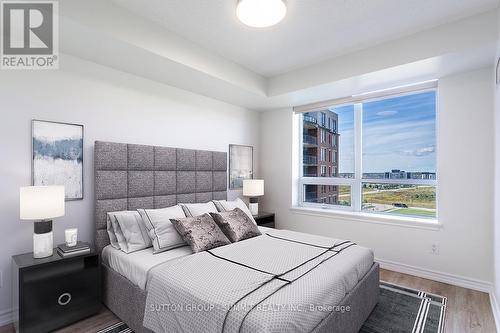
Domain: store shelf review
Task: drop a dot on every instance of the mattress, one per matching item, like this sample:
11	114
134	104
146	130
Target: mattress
136	266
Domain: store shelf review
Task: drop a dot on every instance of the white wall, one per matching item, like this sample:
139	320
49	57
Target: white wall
497	185
113	106
465	148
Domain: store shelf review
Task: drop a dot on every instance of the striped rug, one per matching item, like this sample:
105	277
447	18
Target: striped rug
402	309
120	327
399	309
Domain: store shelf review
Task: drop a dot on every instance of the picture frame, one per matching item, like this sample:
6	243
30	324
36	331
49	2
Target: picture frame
240	165
57	156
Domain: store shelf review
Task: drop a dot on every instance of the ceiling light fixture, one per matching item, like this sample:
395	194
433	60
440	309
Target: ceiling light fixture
260	13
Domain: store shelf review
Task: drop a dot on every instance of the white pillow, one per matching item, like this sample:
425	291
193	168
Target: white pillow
121	243
133	231
160	230
225	206
197	209
111	231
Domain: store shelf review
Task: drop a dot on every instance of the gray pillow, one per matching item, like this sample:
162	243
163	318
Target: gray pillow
236	225
200	232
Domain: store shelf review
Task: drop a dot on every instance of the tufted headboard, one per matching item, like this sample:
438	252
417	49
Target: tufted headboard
129	176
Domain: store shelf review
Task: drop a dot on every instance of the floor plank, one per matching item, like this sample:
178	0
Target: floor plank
469	311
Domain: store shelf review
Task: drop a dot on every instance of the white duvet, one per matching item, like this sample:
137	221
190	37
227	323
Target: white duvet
262	284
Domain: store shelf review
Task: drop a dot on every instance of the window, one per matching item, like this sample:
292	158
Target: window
381	155
323	155
323	136
328	195
323	171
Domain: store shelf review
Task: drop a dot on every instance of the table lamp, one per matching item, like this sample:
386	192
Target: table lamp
253	188
41	204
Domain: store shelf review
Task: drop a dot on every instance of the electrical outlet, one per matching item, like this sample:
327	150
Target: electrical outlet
435	249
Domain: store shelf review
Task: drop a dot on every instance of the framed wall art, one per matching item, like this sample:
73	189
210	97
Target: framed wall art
57	156
240	165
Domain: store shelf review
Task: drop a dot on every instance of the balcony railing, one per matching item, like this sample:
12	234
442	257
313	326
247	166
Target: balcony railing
310	174
309	159
310	119
309	139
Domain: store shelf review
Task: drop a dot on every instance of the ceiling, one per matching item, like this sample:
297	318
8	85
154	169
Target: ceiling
313	30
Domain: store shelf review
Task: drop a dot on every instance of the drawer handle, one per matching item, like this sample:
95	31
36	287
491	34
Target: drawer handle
64	299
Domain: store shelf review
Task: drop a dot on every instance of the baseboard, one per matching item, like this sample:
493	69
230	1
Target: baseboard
495	308
5	317
425	273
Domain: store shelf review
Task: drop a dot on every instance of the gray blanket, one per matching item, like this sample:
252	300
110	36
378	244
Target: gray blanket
282	281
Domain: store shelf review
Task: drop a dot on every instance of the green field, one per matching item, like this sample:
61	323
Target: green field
412	211
413	196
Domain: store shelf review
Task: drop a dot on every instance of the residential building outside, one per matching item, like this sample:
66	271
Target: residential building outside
321	154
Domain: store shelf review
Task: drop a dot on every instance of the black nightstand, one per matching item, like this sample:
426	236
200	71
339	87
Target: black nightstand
53	292
264	219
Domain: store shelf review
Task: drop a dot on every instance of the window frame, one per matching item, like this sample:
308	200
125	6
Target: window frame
356	183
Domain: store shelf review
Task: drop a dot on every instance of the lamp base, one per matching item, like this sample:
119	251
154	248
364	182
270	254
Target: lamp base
43	240
254	208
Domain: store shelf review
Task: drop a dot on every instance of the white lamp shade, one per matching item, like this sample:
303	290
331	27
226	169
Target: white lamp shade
41	202
253	187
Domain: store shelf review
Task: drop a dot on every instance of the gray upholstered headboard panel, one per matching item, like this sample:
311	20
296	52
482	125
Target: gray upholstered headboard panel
129	176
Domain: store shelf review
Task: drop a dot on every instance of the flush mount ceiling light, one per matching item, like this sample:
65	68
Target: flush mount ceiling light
260	13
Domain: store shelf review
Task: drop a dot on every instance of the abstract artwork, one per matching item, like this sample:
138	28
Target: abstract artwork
240	165
58	156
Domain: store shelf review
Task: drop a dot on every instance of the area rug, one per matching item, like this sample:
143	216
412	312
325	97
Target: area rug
120	327
399	309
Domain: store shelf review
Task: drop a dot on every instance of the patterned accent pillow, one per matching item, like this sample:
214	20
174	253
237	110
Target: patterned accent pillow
200	232
236	225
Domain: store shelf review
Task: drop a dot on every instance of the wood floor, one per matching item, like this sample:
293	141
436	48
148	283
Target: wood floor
468	311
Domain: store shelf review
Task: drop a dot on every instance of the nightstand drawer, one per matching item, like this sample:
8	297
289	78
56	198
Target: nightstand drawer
59	294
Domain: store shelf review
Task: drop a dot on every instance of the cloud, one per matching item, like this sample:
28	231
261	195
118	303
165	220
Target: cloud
423	151
386	113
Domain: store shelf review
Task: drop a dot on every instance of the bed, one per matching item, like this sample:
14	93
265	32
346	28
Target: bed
129	177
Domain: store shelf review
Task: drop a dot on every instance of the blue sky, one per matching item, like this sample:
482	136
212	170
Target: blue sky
398	133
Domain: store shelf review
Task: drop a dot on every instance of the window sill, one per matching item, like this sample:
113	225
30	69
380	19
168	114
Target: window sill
399	221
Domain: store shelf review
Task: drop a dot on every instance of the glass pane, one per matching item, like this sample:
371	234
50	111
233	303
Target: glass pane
399	137
328	143
328	194
399	199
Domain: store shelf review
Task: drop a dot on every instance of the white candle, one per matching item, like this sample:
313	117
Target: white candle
71	236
